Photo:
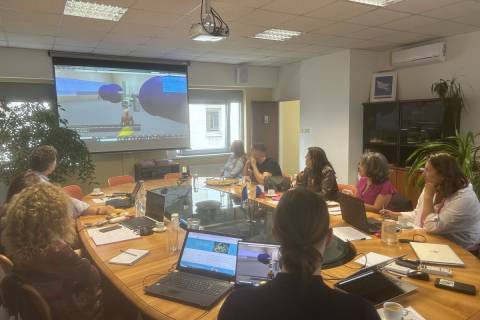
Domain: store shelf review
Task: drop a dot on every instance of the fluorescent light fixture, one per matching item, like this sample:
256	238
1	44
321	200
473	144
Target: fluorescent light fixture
93	10
207	38
277	34
378	3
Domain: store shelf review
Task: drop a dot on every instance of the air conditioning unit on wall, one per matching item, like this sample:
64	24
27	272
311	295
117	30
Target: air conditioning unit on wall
427	53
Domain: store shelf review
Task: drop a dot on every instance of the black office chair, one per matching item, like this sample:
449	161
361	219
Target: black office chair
400	203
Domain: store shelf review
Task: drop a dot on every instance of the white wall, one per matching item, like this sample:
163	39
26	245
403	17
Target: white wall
463	54
25	63
324	108
362	65
288	83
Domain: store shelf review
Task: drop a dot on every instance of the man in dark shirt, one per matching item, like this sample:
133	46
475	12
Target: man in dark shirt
260	166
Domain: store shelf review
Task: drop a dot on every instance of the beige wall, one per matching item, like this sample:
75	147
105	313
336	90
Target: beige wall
289	121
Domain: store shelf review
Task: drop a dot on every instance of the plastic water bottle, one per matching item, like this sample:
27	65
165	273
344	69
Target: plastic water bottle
141	200
173	233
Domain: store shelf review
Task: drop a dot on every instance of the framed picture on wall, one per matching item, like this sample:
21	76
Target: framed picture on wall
384	87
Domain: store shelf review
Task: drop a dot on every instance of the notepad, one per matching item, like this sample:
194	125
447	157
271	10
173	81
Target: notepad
118	235
129	257
349	234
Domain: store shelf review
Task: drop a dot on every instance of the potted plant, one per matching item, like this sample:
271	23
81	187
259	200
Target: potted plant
451	95
464	147
26	125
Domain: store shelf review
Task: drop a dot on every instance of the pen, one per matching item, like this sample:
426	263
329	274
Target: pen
125	251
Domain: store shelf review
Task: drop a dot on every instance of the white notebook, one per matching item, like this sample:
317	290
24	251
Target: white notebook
349	234
129	256
436	254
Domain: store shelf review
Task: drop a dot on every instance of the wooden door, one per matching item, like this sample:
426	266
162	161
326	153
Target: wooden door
265	126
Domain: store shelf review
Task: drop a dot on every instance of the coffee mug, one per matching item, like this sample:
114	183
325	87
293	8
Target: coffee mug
97	190
271	192
394	311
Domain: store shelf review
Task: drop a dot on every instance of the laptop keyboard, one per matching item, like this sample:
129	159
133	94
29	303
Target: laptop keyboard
194	283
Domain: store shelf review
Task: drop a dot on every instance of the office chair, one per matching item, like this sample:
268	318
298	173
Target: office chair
74	191
116	180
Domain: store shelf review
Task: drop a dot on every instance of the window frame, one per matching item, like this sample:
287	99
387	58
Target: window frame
217	97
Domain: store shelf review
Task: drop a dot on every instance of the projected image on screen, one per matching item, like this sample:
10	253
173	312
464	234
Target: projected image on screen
116	109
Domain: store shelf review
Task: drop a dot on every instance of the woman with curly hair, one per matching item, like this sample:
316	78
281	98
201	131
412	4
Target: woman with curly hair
38	229
318	175
374	186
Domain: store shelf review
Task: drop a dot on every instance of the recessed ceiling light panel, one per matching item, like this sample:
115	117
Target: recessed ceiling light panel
277	34
378	3
93	10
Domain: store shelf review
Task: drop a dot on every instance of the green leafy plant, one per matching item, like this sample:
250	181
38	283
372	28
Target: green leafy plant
464	147
24	126
451	95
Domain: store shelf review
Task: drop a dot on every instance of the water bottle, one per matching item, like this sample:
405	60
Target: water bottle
141	200
173	233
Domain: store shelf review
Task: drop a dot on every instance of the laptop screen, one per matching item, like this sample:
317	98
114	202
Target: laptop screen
209	253
155	206
256	263
135	190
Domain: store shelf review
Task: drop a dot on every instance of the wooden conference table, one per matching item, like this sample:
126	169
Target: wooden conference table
430	302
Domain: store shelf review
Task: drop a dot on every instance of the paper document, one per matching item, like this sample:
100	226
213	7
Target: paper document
99	200
349	234
376	258
129	257
334	211
118	235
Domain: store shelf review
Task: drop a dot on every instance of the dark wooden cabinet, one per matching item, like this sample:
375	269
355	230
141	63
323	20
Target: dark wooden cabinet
396	129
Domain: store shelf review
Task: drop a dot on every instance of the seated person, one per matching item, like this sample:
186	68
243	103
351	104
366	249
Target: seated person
447	206
259	166
43	161
301	226
235	163
38	231
318	174
374	186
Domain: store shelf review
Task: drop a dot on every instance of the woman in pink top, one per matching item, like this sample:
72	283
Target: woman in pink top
374	186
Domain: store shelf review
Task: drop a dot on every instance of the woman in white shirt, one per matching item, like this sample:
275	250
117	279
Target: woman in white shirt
448	205
235	163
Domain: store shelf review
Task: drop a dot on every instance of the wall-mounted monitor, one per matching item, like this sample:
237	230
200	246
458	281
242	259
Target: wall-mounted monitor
124	106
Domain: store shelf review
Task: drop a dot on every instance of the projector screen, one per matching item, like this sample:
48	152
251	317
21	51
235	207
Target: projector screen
123	106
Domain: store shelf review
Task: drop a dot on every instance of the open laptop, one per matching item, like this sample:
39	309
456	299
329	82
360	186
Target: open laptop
257	263
154	211
353	213
205	269
128	201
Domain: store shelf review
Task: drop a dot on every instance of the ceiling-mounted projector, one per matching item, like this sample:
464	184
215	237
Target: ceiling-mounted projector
211	27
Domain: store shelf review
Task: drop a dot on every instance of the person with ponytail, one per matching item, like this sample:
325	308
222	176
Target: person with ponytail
302	227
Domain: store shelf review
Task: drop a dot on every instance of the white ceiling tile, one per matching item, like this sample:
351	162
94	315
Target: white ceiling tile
412	23
26	38
403	37
419	6
127	30
473	19
341	10
370	33
11	16
60	47
112	51
373	45
146	53
246	3
180	7
455	10
29	45
265	18
115	39
77	41
46	6
149	17
71	22
284	45
448	28
378	17
228	11
316	49
304	24
340	28
244	30
30	28
296	7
